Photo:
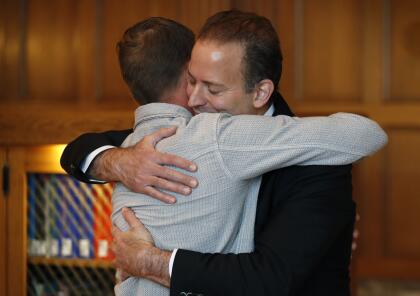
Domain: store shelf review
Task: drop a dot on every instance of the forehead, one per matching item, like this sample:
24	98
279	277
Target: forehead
210	56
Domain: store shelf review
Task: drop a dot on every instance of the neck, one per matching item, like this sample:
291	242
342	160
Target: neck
262	110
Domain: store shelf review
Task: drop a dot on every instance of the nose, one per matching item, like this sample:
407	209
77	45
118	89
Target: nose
196	98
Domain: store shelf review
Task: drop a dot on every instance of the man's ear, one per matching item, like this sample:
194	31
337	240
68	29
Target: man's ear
263	91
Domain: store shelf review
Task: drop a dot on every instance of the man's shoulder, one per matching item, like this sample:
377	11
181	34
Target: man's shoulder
204	122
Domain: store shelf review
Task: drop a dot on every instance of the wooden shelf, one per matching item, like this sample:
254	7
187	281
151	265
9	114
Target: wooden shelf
71	262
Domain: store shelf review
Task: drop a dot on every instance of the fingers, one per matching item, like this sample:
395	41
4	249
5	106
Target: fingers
171	186
115	231
154	193
131	218
355	234
154	138
179	162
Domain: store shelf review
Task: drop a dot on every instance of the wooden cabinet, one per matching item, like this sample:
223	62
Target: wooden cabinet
3	196
45	219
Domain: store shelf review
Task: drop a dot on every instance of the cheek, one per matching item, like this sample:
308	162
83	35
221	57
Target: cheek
227	103
189	89
218	103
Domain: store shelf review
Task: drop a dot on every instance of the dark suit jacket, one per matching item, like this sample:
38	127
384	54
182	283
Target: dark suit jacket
303	232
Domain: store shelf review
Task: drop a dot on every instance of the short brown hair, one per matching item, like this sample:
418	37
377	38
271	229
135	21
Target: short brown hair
262	57
152	55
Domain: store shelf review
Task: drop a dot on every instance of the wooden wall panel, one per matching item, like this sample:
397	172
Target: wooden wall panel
389	203
404	42
373	59
194	13
402	194
54	49
86	50
285	25
10	50
368	192
26	125
332	45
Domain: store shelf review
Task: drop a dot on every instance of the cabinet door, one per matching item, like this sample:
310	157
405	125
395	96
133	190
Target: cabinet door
67	229
16	224
2	225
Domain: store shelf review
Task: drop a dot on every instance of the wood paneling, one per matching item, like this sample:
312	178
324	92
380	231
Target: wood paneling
194	13
26	125
368	192
402	217
332	49
11	30
404	42
389	269
3	254
56	46
373	56
16	226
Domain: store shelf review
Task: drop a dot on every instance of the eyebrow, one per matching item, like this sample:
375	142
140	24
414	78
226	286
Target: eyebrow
206	81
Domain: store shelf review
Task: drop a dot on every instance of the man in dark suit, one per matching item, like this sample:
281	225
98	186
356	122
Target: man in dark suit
305	215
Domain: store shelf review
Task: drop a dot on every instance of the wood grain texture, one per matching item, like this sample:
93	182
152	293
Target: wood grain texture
388	269
373	53
404	42
332	50
16	226
402	199
25	125
11	79
51	55
3	223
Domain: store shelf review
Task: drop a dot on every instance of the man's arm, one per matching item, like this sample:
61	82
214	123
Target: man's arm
253	145
77	150
140	168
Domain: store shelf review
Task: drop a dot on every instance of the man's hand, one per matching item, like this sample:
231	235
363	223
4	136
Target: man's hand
355	235
135	253
141	168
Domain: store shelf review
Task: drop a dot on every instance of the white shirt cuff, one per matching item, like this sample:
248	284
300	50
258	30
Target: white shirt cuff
171	262
84	166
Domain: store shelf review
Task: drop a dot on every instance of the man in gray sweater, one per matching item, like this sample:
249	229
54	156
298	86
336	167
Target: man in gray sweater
230	151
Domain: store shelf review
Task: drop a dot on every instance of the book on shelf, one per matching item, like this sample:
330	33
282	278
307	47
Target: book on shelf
68	219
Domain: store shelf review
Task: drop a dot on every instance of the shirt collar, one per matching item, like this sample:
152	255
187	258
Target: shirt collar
270	111
159	110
